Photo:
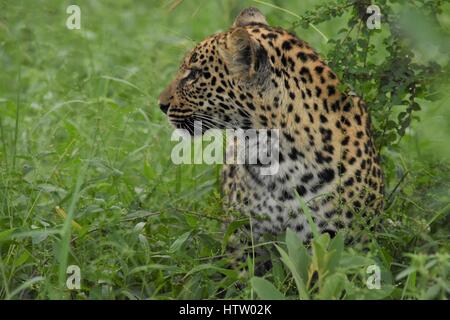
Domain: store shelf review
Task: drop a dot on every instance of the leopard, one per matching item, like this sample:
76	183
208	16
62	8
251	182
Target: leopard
257	76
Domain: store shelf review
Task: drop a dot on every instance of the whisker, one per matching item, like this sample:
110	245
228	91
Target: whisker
217	122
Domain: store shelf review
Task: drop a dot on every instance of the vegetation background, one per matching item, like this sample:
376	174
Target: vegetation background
85	171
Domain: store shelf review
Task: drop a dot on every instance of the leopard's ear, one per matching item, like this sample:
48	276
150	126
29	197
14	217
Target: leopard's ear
249	16
245	56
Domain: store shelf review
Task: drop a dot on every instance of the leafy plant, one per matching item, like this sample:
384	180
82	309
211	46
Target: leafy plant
326	271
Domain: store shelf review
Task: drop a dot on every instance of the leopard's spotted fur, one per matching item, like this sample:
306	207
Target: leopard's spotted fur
257	76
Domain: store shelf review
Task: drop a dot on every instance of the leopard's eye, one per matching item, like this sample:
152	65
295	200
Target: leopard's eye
191	74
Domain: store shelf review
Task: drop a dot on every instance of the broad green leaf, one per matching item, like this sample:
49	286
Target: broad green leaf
333	286
335	251
301	287
22	259
324	240
298	254
266	290
177	244
6	234
353	292
319	256
349	261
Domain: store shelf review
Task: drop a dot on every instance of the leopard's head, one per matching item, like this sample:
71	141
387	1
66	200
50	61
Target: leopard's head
221	80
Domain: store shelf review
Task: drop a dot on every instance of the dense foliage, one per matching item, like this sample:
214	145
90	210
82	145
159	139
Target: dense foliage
85	171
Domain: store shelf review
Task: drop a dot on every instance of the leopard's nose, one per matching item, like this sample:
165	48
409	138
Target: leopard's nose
163	107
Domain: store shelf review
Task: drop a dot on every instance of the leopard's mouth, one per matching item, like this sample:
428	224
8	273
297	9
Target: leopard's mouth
189	124
197	124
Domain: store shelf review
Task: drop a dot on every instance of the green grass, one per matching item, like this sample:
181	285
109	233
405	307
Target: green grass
80	130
